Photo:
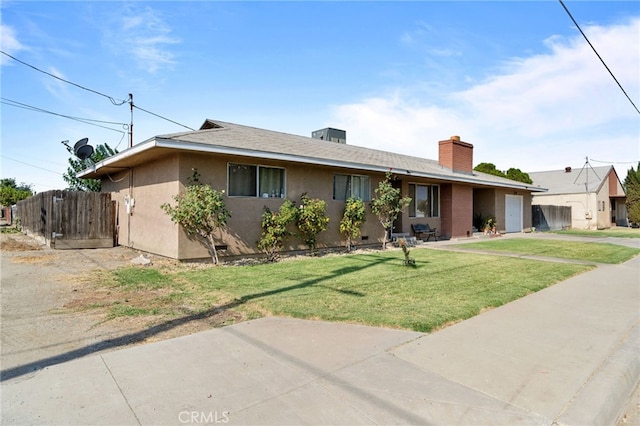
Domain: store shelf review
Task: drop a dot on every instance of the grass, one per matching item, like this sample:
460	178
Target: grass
131	311
370	288
575	250
8	230
603	233
141	279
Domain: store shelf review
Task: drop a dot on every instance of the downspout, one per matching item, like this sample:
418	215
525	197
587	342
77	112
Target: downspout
130	207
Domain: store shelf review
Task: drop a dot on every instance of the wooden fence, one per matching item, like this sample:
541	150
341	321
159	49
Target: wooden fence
550	218
68	219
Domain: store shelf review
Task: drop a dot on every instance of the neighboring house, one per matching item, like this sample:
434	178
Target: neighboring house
595	195
5	215
259	168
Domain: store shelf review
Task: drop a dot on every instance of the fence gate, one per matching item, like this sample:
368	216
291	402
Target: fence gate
69	219
550	218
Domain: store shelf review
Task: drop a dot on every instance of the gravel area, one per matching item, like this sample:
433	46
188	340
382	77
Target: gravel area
44	295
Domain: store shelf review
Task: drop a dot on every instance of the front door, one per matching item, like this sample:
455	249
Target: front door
513	213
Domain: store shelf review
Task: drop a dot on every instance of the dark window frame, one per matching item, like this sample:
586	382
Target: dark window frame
255	178
433	200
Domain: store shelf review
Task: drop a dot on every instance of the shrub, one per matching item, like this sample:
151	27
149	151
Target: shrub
352	219
200	210
275	229
311	220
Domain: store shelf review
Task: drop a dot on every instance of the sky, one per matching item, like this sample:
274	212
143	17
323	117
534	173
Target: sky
515	79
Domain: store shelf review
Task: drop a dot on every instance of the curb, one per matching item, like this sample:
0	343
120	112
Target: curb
604	396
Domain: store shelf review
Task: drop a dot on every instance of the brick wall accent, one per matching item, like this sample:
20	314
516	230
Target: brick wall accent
456	210
456	155
613	184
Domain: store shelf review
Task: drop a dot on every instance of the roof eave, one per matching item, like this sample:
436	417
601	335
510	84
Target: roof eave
108	162
160	142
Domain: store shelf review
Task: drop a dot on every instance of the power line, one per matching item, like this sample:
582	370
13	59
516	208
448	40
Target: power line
614	162
113	101
164	118
89	121
30	165
81	120
598	55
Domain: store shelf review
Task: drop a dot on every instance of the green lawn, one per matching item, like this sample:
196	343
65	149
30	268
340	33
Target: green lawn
603	233
576	250
370	288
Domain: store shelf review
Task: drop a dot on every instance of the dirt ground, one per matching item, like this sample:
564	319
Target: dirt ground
44	300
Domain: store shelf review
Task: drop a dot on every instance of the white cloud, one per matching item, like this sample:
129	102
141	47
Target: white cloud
9	42
539	113
144	34
56	87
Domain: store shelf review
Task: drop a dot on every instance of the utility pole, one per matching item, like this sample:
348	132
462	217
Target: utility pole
131	124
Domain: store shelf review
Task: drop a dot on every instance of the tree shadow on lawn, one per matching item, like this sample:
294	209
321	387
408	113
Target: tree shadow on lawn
140	336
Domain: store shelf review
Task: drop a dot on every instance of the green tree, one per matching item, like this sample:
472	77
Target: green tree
275	229
518	175
200	210
311	220
11	193
632	190
352	219
489	168
388	204
512	173
76	165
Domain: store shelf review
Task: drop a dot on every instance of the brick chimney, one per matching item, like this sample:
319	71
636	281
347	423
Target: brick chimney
456	155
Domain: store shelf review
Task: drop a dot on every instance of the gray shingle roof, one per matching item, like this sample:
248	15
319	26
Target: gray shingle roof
580	180
261	142
234	139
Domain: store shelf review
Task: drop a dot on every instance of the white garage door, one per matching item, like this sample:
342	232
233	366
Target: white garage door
513	213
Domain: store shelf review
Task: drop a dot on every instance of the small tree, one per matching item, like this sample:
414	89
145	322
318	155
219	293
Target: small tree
311	220
11	193
200	210
275	229
352	219
76	165
632	190
388	205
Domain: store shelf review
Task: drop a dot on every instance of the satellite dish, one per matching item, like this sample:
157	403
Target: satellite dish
82	150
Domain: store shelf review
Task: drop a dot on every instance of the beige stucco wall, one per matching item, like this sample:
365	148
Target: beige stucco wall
146	227
580	205
243	229
603	209
149	229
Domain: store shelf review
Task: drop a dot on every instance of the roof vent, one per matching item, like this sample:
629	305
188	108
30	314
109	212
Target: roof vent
210	124
331	135
567	169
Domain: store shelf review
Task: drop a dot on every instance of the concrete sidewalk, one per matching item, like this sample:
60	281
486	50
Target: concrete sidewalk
565	355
